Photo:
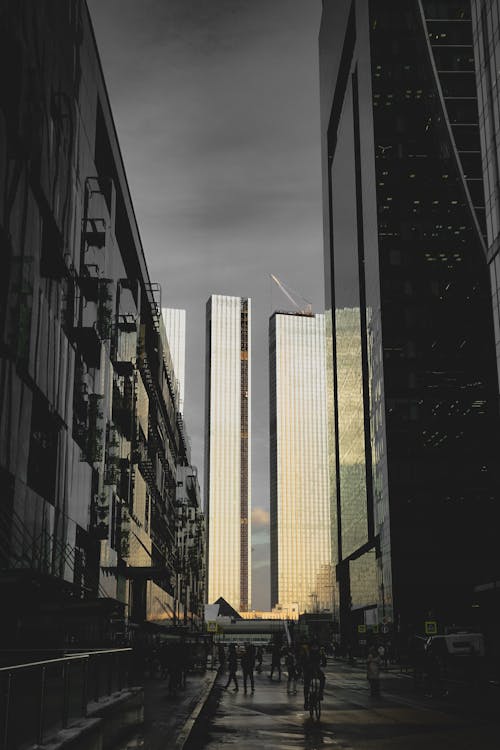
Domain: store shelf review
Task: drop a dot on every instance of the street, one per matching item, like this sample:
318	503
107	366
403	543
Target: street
401	718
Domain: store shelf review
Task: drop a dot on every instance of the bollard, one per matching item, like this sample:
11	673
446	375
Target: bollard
85	687
97	681
7	708
42	706
65	709
110	674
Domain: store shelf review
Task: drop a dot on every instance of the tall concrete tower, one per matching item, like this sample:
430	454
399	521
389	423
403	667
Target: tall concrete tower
227	449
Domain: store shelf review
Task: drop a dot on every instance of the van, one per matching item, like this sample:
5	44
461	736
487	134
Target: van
457	644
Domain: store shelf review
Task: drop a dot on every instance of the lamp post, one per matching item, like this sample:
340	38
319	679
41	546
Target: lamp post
382	594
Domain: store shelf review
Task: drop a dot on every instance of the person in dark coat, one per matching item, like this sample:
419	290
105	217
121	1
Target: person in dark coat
433	673
232	663
373	672
276	661
247	665
291	665
259	657
312	668
221	655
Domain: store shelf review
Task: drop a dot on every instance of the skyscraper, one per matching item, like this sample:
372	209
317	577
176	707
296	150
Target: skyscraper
486	30
227	449
175	327
300	489
415	395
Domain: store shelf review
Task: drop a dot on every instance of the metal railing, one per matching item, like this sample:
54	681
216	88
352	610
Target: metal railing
40	698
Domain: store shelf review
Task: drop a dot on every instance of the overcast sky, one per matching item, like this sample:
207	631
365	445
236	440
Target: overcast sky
216	104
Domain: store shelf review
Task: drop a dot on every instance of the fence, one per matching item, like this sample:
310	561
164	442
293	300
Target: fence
40	698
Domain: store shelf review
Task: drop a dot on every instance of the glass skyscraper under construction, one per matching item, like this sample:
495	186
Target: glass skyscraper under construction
301	572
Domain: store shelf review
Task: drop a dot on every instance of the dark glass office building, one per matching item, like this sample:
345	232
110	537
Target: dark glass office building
414	374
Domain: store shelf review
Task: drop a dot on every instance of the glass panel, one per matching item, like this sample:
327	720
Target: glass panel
351	439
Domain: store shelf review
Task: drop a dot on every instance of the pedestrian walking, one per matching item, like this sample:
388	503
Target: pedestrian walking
301	656
174	669
260	657
183	657
232	663
221	655
373	672
291	665
276	661
381	650
432	667
247	665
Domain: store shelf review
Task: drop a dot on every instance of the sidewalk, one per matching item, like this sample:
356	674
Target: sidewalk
459	696
168	721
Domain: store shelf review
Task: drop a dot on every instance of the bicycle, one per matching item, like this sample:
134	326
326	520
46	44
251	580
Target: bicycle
313	698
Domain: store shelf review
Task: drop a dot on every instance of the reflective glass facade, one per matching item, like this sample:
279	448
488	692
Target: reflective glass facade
227	440
486	39
300	483
415	391
486	28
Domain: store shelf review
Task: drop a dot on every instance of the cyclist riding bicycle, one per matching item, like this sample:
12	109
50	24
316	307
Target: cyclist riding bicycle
312	668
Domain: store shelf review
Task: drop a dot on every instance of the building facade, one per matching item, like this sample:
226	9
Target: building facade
486	35
415	404
89	431
175	327
227	449
301	570
190	569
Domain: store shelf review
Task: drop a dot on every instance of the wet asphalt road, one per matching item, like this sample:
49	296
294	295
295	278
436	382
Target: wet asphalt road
401	719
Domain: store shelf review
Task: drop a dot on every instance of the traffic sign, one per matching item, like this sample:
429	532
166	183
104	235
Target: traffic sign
211	626
431	627
361	628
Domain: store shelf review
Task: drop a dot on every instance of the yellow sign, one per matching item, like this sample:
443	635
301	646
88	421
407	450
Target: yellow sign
431	627
361	628
211	626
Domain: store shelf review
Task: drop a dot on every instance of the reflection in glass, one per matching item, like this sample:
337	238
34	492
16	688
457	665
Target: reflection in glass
364	581
351	431
301	570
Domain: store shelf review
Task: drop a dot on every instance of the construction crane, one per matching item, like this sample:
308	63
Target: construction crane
307	310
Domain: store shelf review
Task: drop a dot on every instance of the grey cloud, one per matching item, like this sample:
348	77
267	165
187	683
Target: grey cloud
216	107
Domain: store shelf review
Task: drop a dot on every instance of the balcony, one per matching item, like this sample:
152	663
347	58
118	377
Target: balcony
94	232
52	261
88	344
98	212
89	282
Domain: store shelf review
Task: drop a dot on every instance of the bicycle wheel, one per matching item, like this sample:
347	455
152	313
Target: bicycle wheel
317	709
312	704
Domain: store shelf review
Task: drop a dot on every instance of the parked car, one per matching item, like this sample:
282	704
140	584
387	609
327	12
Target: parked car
457	644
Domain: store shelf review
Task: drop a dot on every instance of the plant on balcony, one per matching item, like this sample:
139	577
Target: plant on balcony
93	447
104	310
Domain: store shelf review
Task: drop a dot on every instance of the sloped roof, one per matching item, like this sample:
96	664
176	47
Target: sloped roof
225	609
